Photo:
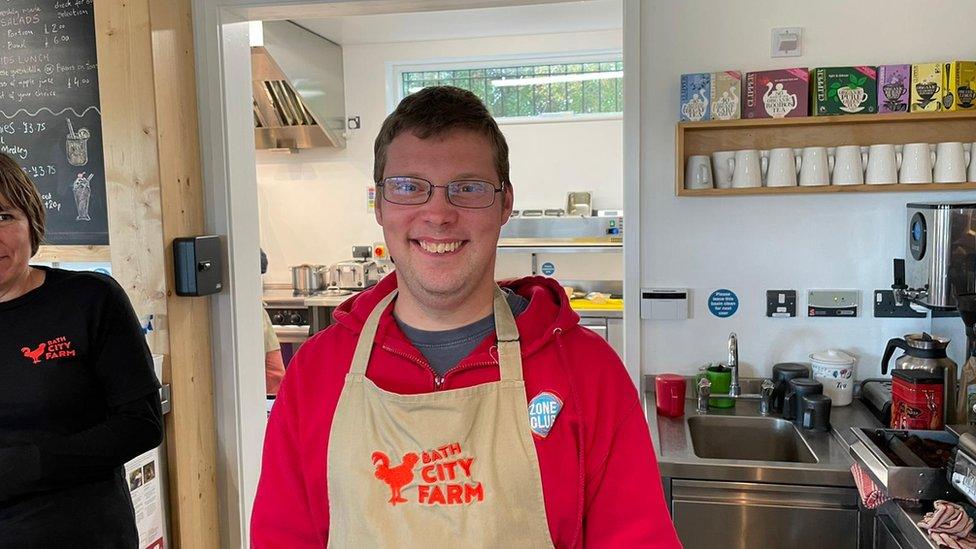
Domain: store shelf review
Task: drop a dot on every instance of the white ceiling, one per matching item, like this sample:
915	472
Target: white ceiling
582	16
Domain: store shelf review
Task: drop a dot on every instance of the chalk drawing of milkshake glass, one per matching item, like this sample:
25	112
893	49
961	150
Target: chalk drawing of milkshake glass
76	145
82	190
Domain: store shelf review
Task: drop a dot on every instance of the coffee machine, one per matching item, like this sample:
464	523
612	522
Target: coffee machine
941	258
939	267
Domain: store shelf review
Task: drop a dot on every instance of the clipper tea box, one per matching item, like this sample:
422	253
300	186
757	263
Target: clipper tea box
844	90
778	93
926	87
725	95
894	88
959	86
695	96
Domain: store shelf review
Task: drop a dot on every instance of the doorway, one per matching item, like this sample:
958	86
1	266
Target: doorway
222	36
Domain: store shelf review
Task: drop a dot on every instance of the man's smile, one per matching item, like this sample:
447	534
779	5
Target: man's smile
440	247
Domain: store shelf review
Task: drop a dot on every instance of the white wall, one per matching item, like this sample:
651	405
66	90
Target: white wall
313	204
753	243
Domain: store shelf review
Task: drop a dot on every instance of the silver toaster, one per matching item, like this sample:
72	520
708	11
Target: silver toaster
354	275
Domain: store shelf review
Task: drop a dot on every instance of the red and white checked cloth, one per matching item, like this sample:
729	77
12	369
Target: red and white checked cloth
949	526
871	496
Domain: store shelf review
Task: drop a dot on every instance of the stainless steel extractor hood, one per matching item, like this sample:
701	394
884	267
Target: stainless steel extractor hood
298	89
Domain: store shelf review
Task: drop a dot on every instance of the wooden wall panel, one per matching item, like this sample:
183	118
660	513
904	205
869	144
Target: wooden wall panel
192	457
146	83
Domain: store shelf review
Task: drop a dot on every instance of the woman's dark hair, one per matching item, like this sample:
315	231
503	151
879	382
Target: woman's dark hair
18	191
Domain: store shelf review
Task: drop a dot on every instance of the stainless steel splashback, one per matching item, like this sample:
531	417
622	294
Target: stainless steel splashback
298	90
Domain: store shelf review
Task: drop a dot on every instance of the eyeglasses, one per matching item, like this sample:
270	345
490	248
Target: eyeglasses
464	193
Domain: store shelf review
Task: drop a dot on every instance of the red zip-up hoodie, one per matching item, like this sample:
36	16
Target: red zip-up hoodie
600	479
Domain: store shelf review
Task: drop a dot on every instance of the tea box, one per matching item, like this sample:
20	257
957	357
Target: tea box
777	93
726	91
926	87
844	90
894	87
696	91
959	86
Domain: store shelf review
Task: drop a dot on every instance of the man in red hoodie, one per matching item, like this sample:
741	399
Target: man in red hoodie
444	410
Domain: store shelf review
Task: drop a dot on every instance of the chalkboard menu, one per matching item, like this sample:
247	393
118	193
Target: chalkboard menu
50	121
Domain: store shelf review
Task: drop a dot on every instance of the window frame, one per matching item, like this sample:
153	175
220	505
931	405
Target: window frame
396	69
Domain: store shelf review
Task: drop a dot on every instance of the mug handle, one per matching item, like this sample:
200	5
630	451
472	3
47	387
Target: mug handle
932	157
703	175
967	156
830	163
764	164
864	161
799	163
898	159
730	161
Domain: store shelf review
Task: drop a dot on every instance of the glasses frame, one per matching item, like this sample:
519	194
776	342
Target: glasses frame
430	192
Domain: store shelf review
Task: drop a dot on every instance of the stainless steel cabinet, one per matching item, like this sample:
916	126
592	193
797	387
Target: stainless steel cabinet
886	534
750	515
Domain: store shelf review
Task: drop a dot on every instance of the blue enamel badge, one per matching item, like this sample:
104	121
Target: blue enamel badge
543	410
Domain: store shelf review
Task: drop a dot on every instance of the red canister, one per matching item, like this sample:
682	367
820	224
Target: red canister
916	400
670	393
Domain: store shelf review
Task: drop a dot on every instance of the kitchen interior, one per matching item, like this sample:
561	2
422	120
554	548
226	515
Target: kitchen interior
788	331
315	126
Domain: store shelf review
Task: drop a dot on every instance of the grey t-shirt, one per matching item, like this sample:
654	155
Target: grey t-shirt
444	349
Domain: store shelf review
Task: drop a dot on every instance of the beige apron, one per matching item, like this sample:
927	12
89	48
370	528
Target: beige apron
445	469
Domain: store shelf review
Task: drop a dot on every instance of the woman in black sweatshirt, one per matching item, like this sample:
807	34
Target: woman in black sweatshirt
78	395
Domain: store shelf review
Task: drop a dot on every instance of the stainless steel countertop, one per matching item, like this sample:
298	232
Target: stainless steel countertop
677	459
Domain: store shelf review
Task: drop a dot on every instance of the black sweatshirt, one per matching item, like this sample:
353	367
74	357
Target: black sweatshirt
78	398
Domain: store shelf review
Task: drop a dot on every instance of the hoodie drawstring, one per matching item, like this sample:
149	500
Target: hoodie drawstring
580	496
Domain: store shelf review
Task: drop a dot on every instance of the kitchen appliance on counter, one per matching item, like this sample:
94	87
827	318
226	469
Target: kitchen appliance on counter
353	274
928	353
962	470
876	395
908	464
307	279
941	255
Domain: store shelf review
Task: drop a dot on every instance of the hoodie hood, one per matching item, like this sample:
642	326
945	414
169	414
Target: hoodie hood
547	313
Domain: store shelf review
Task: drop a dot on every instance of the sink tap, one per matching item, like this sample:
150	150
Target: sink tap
704	392
766	397
734	389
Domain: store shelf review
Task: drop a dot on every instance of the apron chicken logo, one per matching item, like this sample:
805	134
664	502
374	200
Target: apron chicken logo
56	348
445	477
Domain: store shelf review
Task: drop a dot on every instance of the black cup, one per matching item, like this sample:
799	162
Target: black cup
782	374
816	412
799	388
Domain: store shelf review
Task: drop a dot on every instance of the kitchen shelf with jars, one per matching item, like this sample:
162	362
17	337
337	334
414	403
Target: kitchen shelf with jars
892	128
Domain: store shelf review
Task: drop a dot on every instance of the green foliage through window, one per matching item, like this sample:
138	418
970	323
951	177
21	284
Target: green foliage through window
533	90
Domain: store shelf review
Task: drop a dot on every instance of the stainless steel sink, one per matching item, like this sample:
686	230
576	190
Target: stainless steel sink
748	438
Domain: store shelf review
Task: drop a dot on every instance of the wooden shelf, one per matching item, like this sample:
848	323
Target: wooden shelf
693	138
78	253
824	189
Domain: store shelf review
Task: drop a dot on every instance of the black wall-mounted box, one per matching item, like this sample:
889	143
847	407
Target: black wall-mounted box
197	265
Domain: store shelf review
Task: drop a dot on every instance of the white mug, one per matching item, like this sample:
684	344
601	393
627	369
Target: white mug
916	163
748	167
782	168
950	163
722	169
883	164
849	164
698	173
815	166
972	163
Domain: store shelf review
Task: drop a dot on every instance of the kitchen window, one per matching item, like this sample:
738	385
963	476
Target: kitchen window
526	90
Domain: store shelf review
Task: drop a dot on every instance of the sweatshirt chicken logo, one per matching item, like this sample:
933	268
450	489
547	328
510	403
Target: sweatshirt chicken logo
445	477
59	347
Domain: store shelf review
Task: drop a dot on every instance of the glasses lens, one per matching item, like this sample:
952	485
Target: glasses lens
405	190
471	194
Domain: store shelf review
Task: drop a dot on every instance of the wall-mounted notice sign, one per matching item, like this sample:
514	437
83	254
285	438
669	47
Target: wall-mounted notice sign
723	303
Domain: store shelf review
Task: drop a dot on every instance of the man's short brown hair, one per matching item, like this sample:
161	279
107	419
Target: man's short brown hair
435	111
18	191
